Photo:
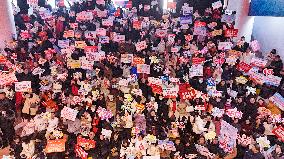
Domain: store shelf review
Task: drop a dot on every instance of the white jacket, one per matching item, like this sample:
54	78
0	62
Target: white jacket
198	126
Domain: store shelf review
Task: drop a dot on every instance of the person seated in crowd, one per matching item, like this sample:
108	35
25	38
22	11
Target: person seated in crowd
94	80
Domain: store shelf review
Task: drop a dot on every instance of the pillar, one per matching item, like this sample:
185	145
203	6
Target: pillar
7	24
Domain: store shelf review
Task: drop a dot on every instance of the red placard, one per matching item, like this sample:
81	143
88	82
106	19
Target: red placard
117	12
55	145
157	89
86	142
137	24
242	66
161	33
199	24
138	60
80	152
279	132
197	60
90	49
188	37
231	32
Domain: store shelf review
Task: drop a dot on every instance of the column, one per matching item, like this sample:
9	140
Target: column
7	24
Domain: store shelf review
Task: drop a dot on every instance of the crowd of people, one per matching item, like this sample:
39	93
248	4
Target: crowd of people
99	81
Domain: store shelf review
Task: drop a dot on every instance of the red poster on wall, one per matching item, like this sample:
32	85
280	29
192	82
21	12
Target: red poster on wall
231	32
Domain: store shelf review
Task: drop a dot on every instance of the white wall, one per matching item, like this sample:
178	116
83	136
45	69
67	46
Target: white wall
243	22
269	32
